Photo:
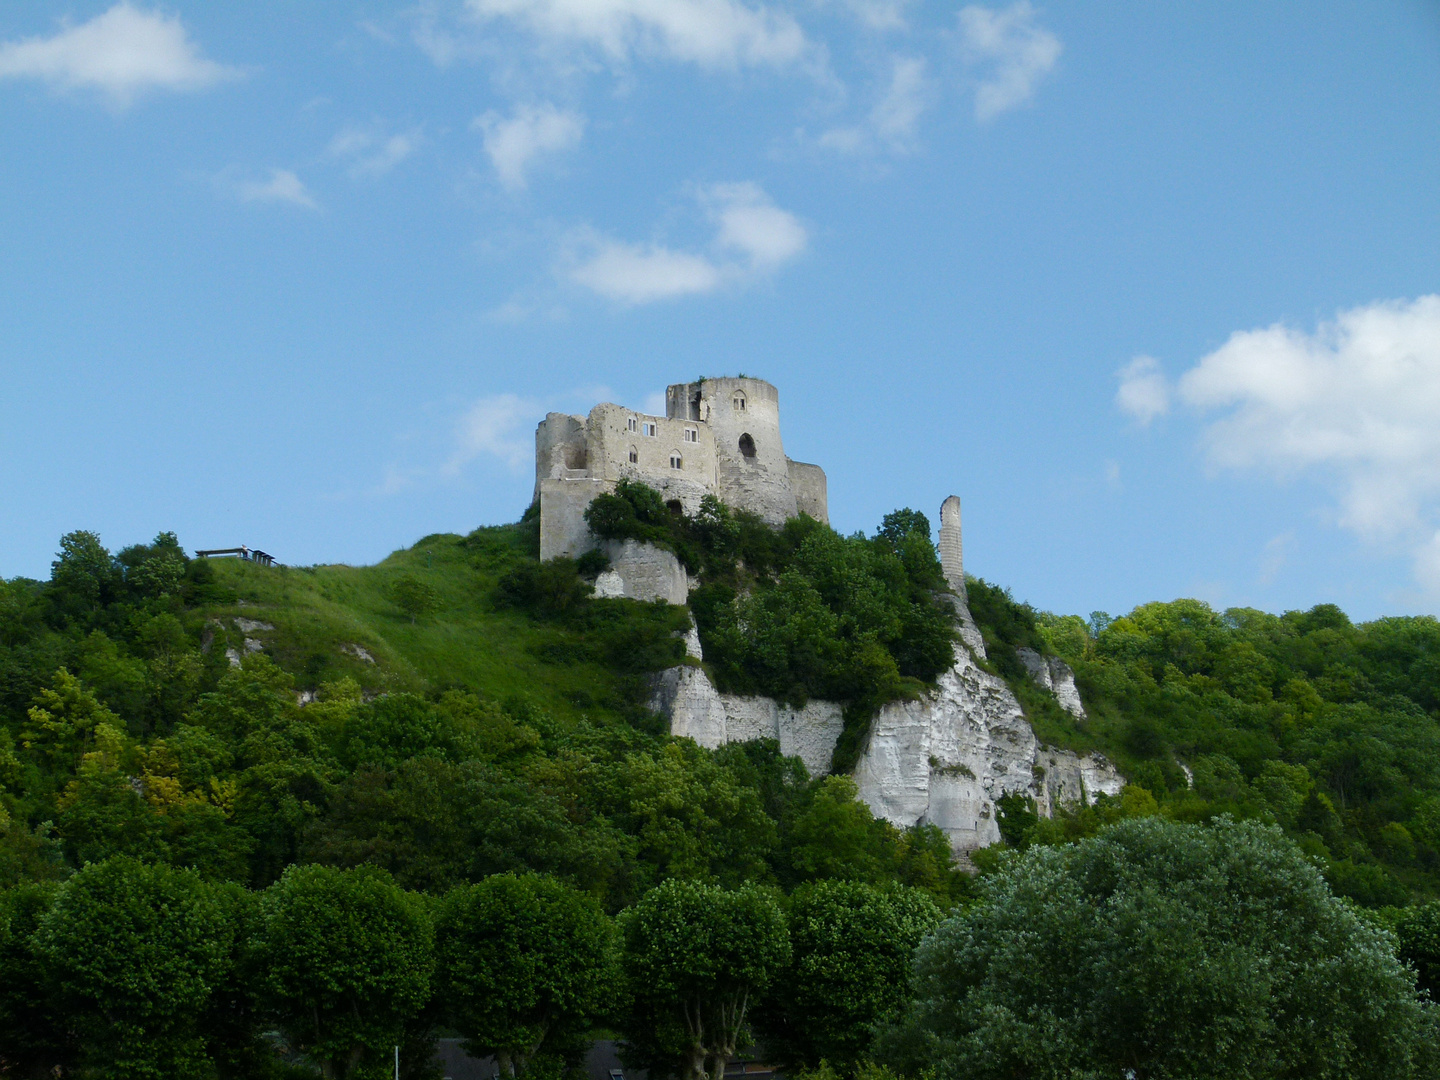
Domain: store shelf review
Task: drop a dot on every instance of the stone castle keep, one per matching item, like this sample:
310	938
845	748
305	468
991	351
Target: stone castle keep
941	759
718	437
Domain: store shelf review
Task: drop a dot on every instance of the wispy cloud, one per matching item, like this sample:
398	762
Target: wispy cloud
282	186
1143	393
516	141
708	33
879	14
495	427
1354	401
121	53
1011	52
371	151
1278	550
893	122
753	237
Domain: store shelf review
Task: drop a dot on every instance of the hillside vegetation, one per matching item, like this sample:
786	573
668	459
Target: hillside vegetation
448	756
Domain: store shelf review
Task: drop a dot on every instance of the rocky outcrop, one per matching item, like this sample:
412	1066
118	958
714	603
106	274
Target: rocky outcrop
947	757
642	572
1053	674
698	711
943	758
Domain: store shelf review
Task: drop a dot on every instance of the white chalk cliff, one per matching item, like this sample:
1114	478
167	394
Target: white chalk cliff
942	759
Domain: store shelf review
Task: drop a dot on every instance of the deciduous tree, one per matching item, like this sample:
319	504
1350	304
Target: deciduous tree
696	958
1157	949
523	963
346	958
853	949
132	953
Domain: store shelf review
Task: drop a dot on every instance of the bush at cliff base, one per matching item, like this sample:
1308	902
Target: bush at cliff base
1158	949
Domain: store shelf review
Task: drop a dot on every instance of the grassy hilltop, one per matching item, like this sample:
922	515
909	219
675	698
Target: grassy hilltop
568	666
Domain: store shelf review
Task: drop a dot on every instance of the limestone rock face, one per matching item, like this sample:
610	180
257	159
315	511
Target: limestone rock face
698	711
643	572
1053	674
943	759
947	757
1068	779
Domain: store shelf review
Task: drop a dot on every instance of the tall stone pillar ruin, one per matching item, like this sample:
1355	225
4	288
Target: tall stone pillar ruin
952	552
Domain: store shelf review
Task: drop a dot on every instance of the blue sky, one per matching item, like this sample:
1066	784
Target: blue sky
1150	286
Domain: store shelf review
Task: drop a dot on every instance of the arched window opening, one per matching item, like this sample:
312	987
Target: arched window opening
634	456
738	401
675	460
747	445
674	507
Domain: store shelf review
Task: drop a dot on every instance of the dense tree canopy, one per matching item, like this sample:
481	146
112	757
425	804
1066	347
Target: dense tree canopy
1159	949
132	954
291	751
346	959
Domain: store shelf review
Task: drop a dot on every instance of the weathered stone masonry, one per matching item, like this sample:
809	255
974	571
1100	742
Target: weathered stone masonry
718	437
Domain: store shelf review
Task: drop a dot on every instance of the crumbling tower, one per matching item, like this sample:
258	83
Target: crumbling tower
952	551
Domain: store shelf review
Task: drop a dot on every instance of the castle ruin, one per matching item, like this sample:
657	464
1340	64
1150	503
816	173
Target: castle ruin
718	437
944	757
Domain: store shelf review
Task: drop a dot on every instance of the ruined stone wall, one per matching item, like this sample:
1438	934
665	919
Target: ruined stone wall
811	496
563	530
698	711
643	572
560	448
951	546
724	432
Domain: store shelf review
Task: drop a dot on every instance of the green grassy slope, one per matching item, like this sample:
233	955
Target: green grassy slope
320	614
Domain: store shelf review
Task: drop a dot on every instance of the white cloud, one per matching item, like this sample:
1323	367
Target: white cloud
898	112
894	119
753	237
514	143
1014	51
644	273
121	53
1358	401
495	426
283	187
1143	393
753	226
371	152
709	33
